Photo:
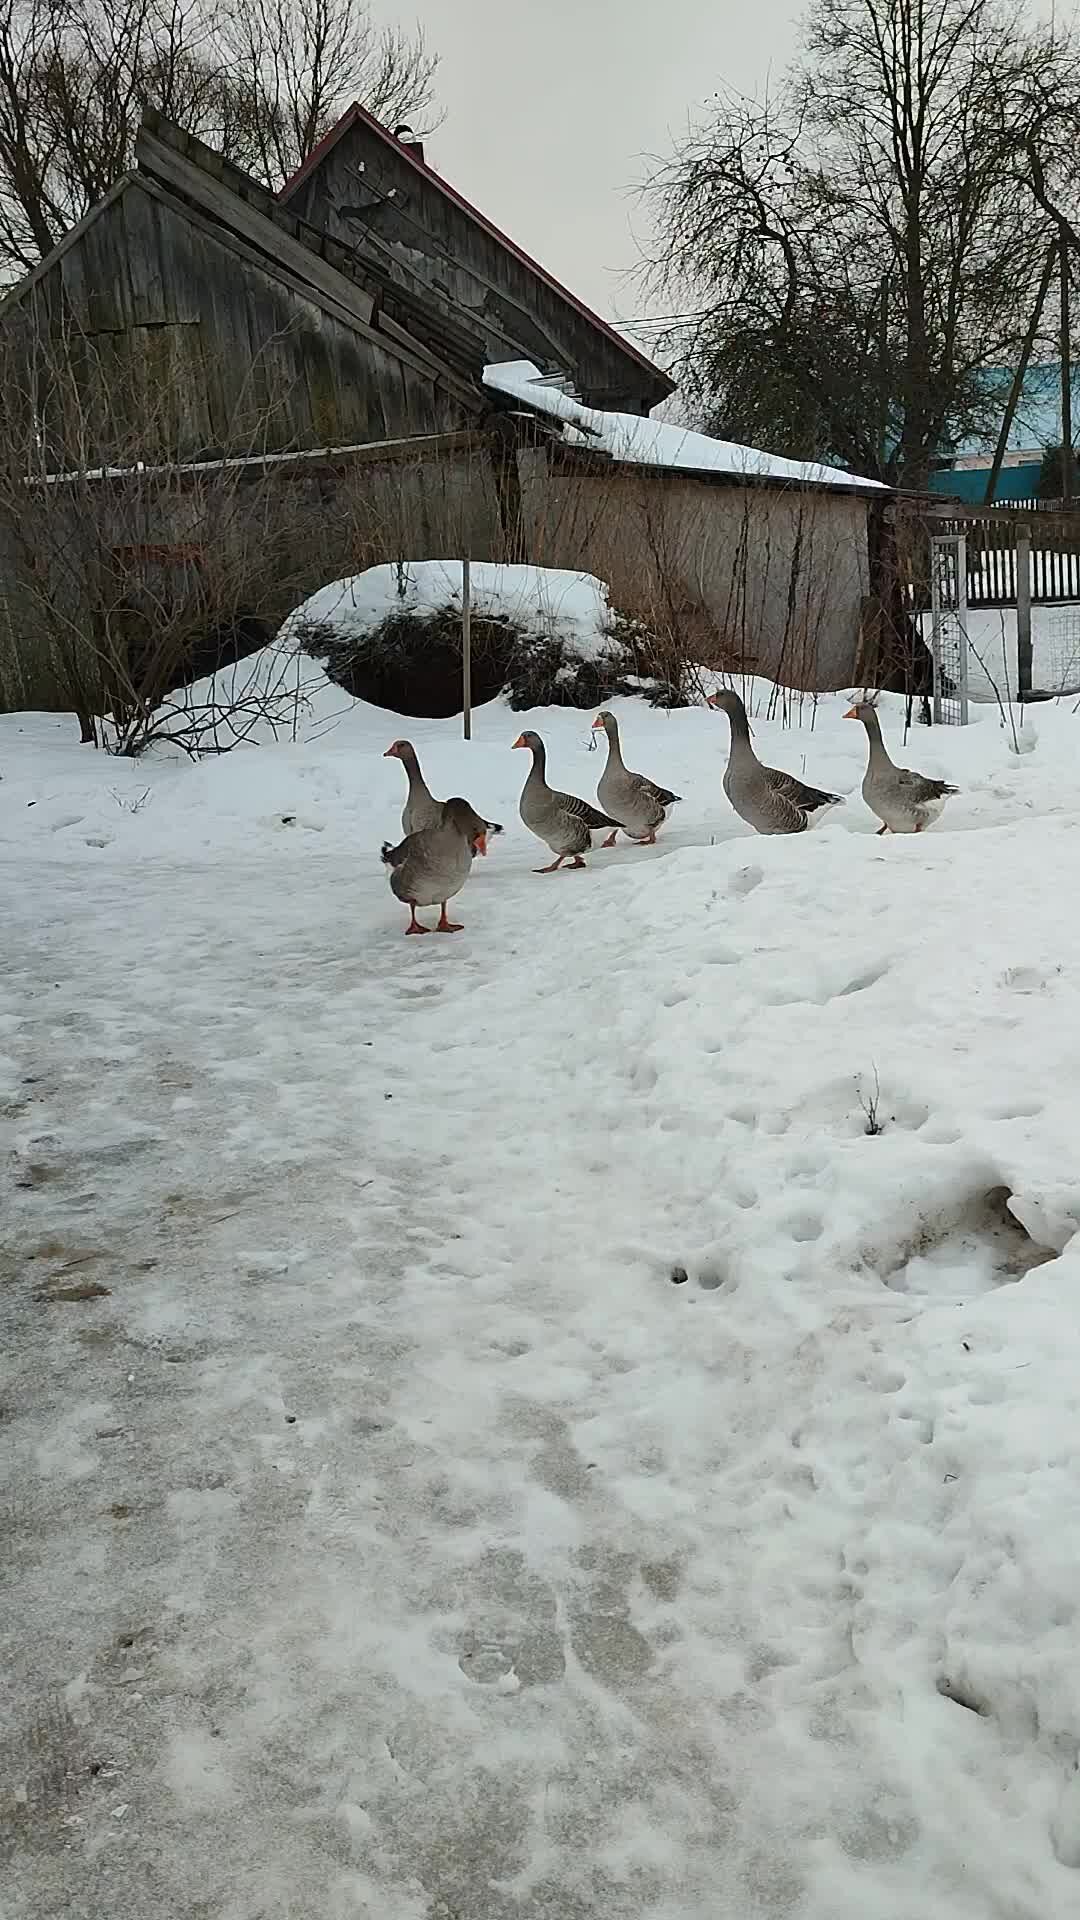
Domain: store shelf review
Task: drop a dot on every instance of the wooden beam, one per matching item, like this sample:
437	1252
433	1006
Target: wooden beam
412	447
1009	516
164	163
1024	655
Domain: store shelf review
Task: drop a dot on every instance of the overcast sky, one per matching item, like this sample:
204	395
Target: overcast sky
552	108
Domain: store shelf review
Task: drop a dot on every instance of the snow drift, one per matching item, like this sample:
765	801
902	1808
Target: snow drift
541	635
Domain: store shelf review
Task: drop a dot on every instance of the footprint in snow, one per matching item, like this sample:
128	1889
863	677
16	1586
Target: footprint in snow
1028	979
805	1227
603	1637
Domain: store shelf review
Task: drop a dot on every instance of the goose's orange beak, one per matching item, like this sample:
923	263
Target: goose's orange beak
521	741
597	723
479	844
851	714
391	753
711	701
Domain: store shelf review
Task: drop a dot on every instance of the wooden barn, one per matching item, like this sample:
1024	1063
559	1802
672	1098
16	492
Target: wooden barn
375	192
173	374
216	399
191	315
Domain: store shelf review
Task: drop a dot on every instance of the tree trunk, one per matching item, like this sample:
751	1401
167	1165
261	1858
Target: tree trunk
896	657
915	439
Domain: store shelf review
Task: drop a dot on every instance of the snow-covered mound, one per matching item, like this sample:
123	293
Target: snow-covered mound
543	602
490	1426
392	635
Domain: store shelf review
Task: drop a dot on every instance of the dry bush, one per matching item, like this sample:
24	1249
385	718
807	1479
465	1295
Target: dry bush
121	584
411	662
261	80
735	578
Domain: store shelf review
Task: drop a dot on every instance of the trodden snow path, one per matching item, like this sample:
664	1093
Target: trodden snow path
393	1538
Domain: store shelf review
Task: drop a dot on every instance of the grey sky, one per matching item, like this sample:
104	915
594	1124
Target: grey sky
550	110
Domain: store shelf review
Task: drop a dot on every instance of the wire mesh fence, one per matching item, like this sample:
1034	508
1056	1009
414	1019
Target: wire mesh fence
948	628
1059	651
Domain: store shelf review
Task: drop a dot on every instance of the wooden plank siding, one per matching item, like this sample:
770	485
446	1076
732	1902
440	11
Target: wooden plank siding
251	535
183	339
368	194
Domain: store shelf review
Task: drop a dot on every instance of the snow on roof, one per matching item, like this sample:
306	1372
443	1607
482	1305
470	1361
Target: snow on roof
539	600
638	441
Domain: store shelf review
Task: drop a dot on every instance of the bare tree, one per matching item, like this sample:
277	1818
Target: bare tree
846	259
261	80
301	65
118	584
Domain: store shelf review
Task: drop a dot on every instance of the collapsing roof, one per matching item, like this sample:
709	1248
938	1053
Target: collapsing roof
660	383
181	173
633	440
185	165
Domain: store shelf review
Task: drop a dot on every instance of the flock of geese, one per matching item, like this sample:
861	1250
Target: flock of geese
442	837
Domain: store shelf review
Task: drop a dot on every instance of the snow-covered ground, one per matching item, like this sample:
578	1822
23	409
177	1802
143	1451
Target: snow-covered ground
1055	649
486	1432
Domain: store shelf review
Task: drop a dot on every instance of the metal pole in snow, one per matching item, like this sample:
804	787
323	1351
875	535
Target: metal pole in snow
466	649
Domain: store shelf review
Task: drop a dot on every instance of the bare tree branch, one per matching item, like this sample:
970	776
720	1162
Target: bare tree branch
262	80
846	259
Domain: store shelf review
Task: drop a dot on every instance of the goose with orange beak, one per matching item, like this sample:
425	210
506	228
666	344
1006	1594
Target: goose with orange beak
429	868
638	804
562	821
768	799
904	802
421	808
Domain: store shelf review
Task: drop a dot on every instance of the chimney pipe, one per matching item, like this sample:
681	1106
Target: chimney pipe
408	140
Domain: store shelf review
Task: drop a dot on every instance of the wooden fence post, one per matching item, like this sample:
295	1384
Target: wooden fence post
1023	613
466	650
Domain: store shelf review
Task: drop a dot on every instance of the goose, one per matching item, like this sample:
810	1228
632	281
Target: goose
904	802
421	808
431	866
768	800
564	823
638	804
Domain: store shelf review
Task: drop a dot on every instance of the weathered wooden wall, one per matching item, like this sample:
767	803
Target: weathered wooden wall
366	192
157	336
771	578
191	552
